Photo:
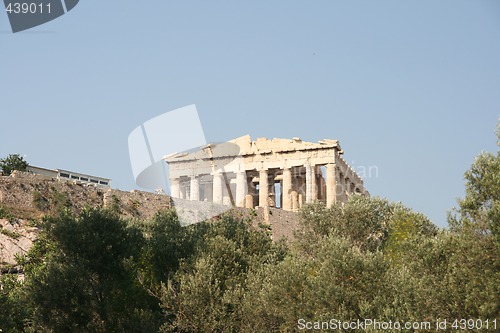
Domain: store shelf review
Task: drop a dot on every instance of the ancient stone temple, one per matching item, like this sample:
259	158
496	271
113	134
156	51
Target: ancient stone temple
283	173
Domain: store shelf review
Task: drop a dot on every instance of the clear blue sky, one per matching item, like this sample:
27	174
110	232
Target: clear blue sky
411	87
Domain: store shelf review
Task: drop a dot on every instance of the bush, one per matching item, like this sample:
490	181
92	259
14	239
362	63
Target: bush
11	163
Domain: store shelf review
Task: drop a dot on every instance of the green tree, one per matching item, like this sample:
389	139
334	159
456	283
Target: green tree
406	225
479	210
335	280
167	244
364	221
13	162
343	266
453	273
449	276
205	294
368	223
12	310
80	277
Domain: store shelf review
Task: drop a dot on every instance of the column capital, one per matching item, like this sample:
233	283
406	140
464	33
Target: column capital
217	172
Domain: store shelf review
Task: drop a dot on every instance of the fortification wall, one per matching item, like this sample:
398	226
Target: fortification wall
27	198
33	196
42	194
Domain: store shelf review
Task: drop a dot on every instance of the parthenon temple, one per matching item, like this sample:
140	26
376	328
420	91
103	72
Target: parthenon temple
282	173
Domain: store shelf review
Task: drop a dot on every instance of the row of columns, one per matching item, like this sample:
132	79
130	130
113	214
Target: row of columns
290	197
215	191
244	197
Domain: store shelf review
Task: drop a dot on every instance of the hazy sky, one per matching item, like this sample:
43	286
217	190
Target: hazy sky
409	87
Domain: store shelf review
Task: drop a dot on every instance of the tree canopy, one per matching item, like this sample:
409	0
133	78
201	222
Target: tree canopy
366	259
13	162
479	210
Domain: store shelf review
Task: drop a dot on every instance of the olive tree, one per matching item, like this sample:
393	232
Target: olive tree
13	162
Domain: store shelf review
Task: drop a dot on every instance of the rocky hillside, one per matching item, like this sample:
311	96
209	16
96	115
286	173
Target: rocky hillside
26	198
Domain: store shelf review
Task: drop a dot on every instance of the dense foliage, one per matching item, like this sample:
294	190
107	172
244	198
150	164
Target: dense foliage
11	163
366	259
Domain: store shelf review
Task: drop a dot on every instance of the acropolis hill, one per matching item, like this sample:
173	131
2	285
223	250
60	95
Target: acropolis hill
25	198
266	182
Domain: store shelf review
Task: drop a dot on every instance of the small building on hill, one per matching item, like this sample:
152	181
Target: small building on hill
66	175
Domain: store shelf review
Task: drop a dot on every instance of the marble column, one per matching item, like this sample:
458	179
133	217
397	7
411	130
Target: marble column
241	188
309	184
251	192
195	189
249	201
271	192
175	189
341	190
209	188
217	188
286	190
183	191
331	185
263	189
314	184
295	201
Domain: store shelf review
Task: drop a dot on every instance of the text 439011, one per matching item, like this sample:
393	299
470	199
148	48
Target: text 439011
27	8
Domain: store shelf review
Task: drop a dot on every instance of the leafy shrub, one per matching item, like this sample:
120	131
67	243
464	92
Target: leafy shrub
13	162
